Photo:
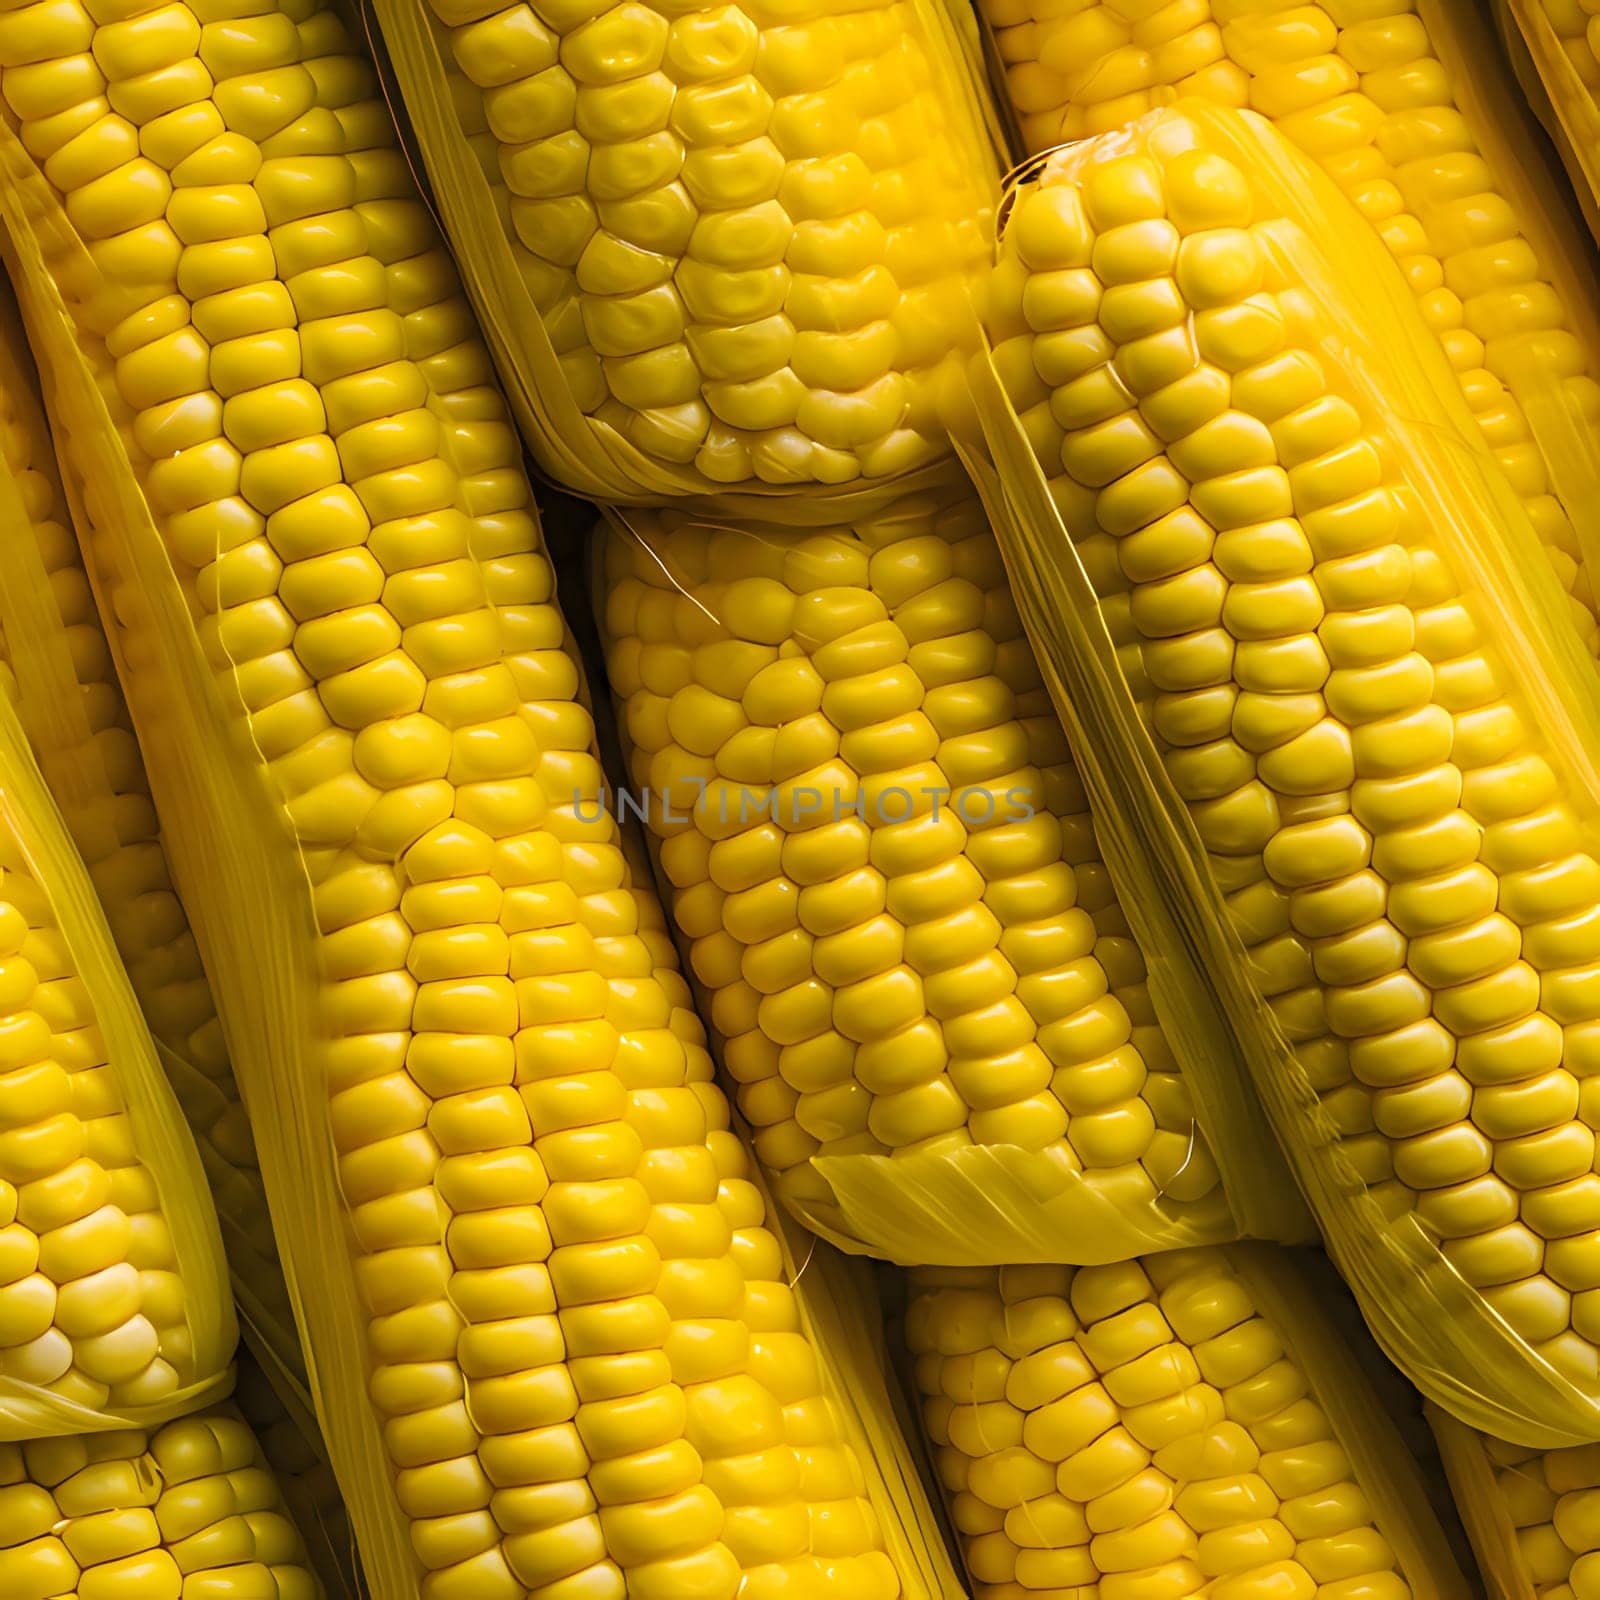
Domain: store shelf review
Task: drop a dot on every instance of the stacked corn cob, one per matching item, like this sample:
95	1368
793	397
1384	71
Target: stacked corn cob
561	1346
71	707
1163	1429
849	949
1404	108
557	1346
117	1466
1533	1512
187	1508
111	1306
1282	572
77	724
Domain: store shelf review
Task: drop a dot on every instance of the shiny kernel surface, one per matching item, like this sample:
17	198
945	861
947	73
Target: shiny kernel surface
1141	1428
298	1460
1416	894
92	1304
584	1359
1551	1499
189	1511
1370	92
745	229
101	785
883	860
1574	24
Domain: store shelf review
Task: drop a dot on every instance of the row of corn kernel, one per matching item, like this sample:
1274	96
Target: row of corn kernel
185	1511
1164	1428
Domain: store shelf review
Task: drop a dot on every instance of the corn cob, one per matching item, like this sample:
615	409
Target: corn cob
1577	25
557	1348
1403	104
1531	1514
77	723
717	245
113	1306
189	1511
1280	561
1554	46
1164	1428
292	1448
886	872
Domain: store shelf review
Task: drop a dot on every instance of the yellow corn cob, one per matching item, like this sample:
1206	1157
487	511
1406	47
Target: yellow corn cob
73	712
293	1449
113	1303
1533	1516
189	1511
1577	25
1404	105
557	1349
77	721
1165	1428
717	245
1280	562
886	870
92	1308
1554	46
